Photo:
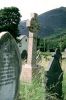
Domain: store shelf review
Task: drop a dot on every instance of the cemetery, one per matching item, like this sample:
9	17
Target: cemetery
43	79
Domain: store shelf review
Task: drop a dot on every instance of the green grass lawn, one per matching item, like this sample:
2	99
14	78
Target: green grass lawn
36	89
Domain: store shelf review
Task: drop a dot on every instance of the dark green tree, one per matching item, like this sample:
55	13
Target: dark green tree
9	20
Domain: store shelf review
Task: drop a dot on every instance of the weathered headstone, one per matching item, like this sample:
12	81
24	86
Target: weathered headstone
54	78
9	67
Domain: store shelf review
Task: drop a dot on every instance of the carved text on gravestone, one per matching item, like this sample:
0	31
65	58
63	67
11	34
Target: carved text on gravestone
7	71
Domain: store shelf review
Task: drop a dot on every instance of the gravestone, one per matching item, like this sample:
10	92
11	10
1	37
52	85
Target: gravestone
54	78
9	67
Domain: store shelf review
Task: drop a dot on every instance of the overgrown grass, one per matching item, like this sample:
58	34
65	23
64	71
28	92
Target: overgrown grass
36	89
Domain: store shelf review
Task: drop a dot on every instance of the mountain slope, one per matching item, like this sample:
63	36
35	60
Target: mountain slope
52	22
22	28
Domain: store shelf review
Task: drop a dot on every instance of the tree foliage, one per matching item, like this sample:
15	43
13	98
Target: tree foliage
50	44
9	20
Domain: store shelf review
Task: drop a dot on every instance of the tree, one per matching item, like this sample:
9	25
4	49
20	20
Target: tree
9	20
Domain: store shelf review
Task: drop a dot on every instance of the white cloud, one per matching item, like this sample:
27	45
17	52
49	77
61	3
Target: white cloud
28	6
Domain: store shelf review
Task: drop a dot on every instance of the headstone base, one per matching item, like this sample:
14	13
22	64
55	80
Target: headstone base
28	72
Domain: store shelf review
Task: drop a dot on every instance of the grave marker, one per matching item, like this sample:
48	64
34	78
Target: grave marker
54	78
31	65
9	67
32	43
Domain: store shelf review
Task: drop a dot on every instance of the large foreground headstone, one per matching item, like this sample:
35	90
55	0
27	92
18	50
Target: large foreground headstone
9	67
54	78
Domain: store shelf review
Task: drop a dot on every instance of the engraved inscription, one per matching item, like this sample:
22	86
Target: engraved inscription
7	68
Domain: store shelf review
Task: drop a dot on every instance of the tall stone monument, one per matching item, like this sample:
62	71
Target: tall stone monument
54	78
9	67
32	47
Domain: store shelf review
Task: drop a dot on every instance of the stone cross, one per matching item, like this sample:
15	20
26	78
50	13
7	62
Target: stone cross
54	78
10	63
33	24
27	69
32	44
28	22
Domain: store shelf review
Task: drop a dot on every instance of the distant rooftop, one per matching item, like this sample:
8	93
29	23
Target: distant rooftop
21	37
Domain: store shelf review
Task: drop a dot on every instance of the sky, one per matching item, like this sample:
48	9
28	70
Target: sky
27	7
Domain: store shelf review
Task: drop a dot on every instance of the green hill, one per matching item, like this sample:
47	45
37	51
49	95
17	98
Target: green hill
52	29
52	22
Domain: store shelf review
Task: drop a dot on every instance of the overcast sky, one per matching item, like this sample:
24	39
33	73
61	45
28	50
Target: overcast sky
29	6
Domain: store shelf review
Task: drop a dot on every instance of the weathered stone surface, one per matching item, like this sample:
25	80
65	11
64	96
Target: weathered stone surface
32	49
27	69
54	78
9	67
32	42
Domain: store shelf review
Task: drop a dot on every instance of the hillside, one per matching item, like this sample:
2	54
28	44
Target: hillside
52	22
22	28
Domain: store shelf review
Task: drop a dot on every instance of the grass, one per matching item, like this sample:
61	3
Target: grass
64	85
36	89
